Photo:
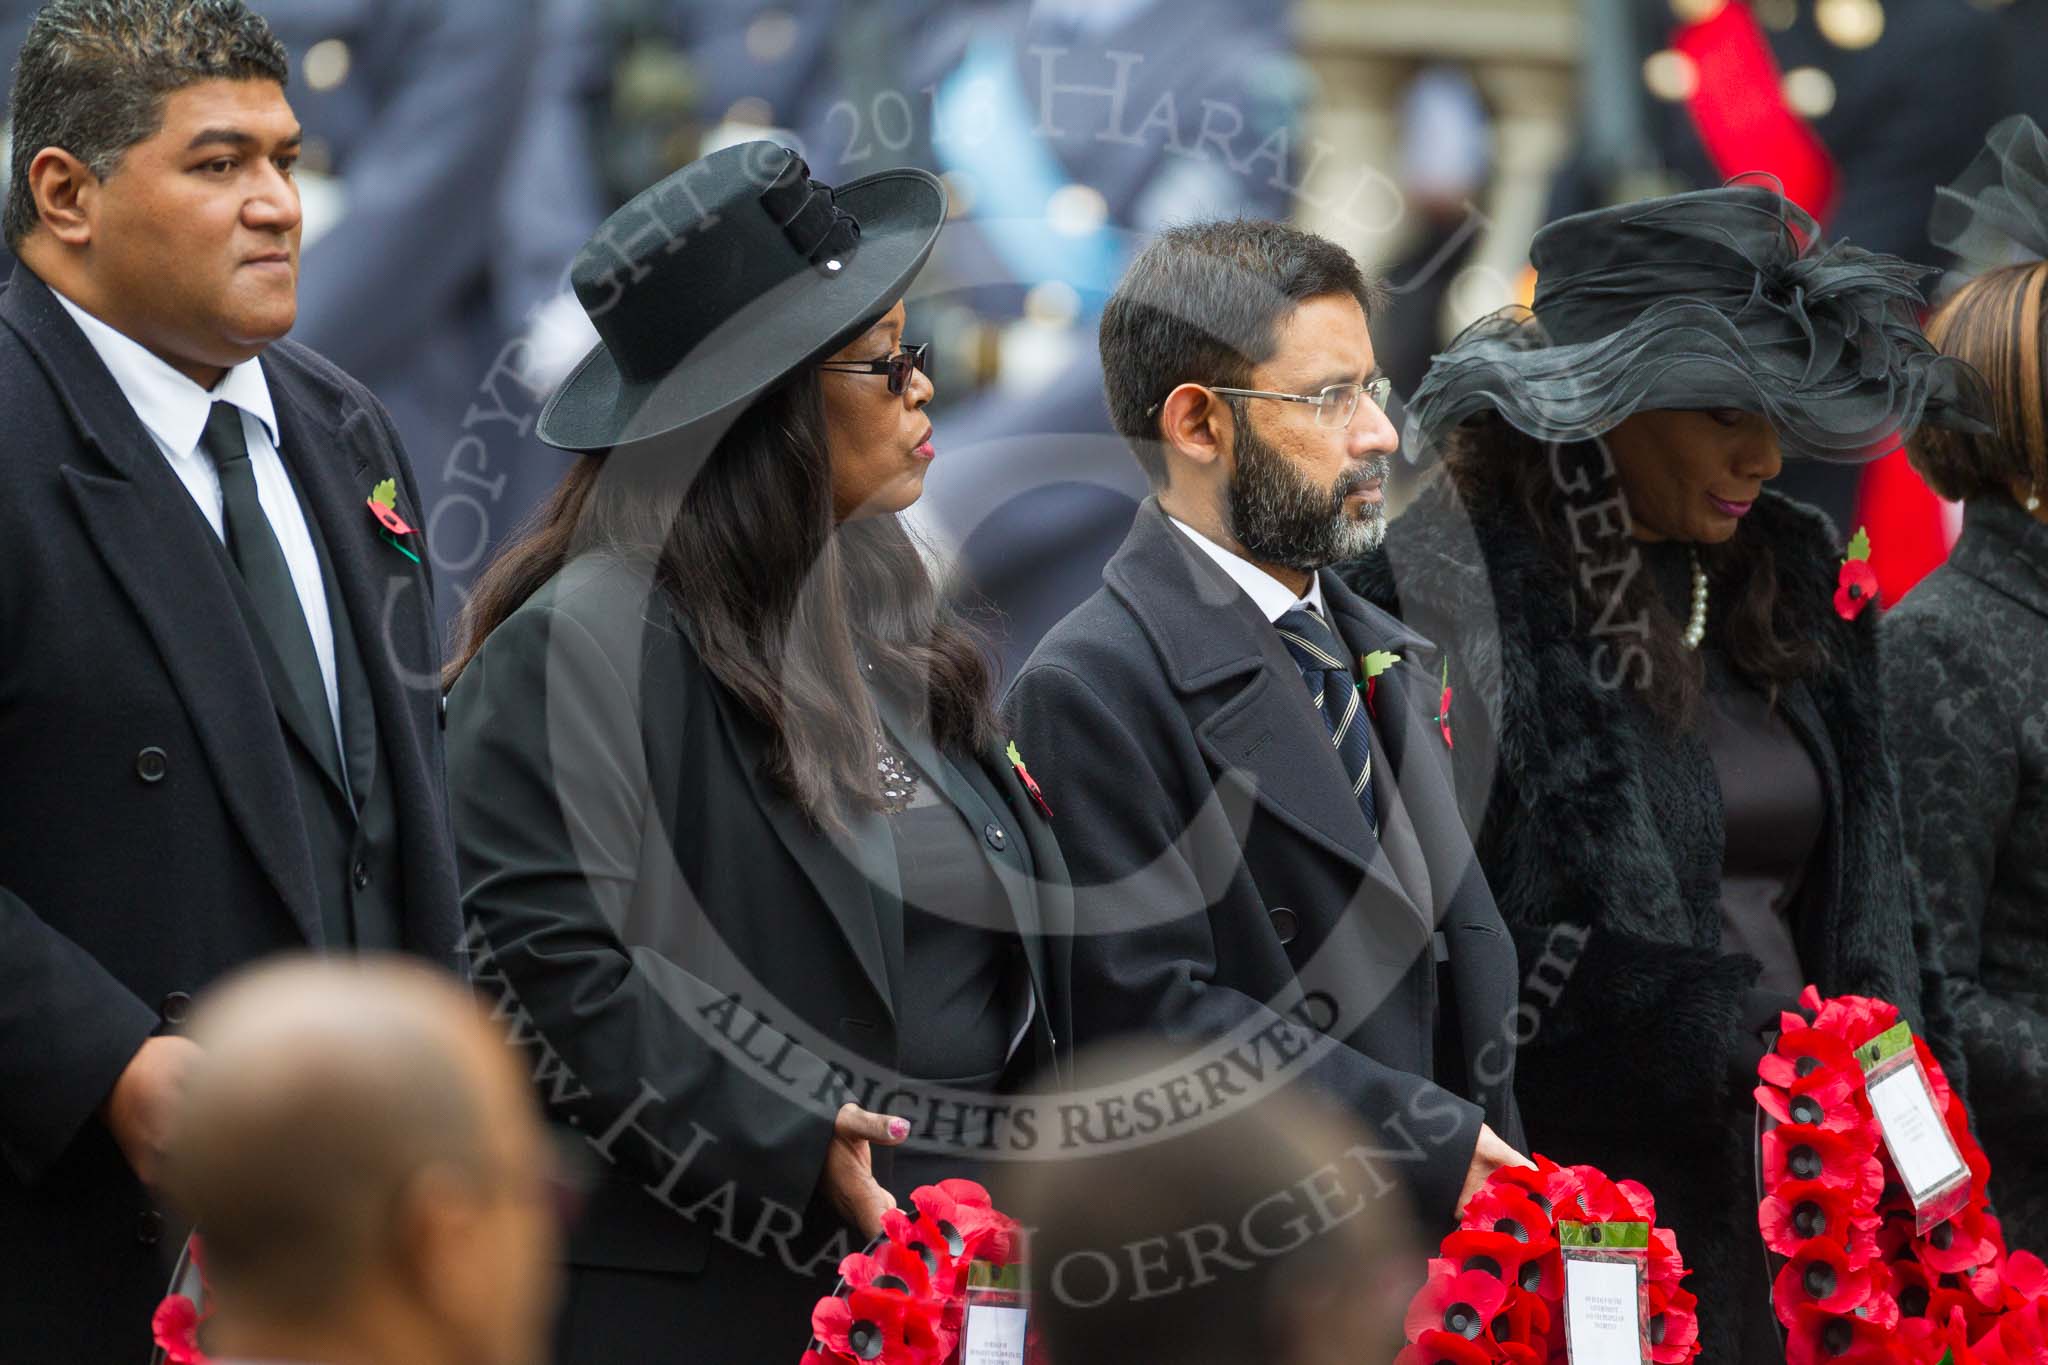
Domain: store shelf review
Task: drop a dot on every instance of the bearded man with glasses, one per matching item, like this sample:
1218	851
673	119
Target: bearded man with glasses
1254	795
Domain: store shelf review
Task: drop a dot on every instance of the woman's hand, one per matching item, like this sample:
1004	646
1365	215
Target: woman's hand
850	1166
1489	1154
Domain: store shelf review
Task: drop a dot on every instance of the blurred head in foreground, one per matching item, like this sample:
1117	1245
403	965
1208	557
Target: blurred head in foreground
368	1173
1272	1234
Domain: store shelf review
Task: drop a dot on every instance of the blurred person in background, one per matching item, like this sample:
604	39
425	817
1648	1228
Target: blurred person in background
412	110
217	715
1968	671
1266	1234
736	828
1670	743
368	1170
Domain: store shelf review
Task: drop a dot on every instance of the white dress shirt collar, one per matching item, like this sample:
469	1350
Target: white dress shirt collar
170	405
1268	593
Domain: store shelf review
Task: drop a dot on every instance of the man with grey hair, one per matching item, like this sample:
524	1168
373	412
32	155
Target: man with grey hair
368	1170
218	716
1253	790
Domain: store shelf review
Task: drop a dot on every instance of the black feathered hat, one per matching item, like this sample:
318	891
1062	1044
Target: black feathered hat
1722	298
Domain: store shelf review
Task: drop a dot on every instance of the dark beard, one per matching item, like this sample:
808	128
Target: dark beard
1280	518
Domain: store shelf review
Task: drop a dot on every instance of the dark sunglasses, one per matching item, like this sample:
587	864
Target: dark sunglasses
898	367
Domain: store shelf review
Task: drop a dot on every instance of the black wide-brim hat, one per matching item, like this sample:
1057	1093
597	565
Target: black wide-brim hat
1996	212
1722	298
726	277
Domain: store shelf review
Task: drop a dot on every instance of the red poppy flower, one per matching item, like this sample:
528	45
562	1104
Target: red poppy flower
1462	1302
881	1325
175	1327
1667	1267
1674	1325
2020	1336
1799	1210
1822	1276
1799	1151
1444	1348
1855	589
1524	1321
1532	1267
959	1212
2021	1279
1443	719
1549	1185
1957	1244
1855	1019
1818	1338
888	1266
1948	1341
1808	1061
1508	1209
388	517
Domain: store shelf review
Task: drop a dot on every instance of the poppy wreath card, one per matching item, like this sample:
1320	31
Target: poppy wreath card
1496	1292
1864	1273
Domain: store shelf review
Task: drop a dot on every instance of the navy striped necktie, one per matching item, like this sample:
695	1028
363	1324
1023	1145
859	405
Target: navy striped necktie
1334	691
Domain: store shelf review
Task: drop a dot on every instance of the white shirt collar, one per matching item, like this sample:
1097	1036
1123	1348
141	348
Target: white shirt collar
1268	593
170	405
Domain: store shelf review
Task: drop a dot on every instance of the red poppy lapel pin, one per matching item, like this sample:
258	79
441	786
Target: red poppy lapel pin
1372	665
383	505
1030	783
1443	707
1856	587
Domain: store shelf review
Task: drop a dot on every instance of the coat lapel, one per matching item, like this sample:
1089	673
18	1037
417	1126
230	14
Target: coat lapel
336	452
158	547
853	873
1265	733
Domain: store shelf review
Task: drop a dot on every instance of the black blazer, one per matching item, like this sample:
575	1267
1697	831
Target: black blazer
1225	878
701	975
146	844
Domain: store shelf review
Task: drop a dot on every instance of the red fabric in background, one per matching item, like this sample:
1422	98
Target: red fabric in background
1745	125
1740	110
1908	533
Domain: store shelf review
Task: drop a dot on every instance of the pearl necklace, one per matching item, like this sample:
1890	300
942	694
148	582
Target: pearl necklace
1696	628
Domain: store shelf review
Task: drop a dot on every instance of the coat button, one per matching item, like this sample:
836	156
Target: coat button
149	1227
997	840
1285	925
176	1007
151	764
360	874
1319	1011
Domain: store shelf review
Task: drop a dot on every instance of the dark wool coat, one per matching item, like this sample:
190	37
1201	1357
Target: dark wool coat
1601	825
1968	697
149	830
1226	882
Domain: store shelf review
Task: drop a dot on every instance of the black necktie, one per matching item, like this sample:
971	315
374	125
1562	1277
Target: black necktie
1335	694
254	548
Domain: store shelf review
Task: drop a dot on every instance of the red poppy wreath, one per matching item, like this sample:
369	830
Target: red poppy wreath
904	1300
1867	1273
1496	1289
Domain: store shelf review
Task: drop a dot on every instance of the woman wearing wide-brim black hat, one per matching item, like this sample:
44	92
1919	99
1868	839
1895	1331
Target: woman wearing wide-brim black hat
1669	740
742	853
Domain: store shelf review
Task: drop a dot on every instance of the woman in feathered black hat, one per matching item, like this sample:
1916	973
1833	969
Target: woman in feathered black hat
1668	741
745	862
1968	690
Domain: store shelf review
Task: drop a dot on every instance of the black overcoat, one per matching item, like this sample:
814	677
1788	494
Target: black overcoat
1225	877
147	835
1601	831
700	974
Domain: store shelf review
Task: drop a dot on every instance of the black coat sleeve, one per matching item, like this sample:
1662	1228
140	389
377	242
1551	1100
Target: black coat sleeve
67	1031
1146	883
555	826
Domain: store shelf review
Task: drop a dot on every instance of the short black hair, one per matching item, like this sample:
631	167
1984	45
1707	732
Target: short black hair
93	77
1203	304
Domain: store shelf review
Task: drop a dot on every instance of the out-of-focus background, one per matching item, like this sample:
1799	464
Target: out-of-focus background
458	152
